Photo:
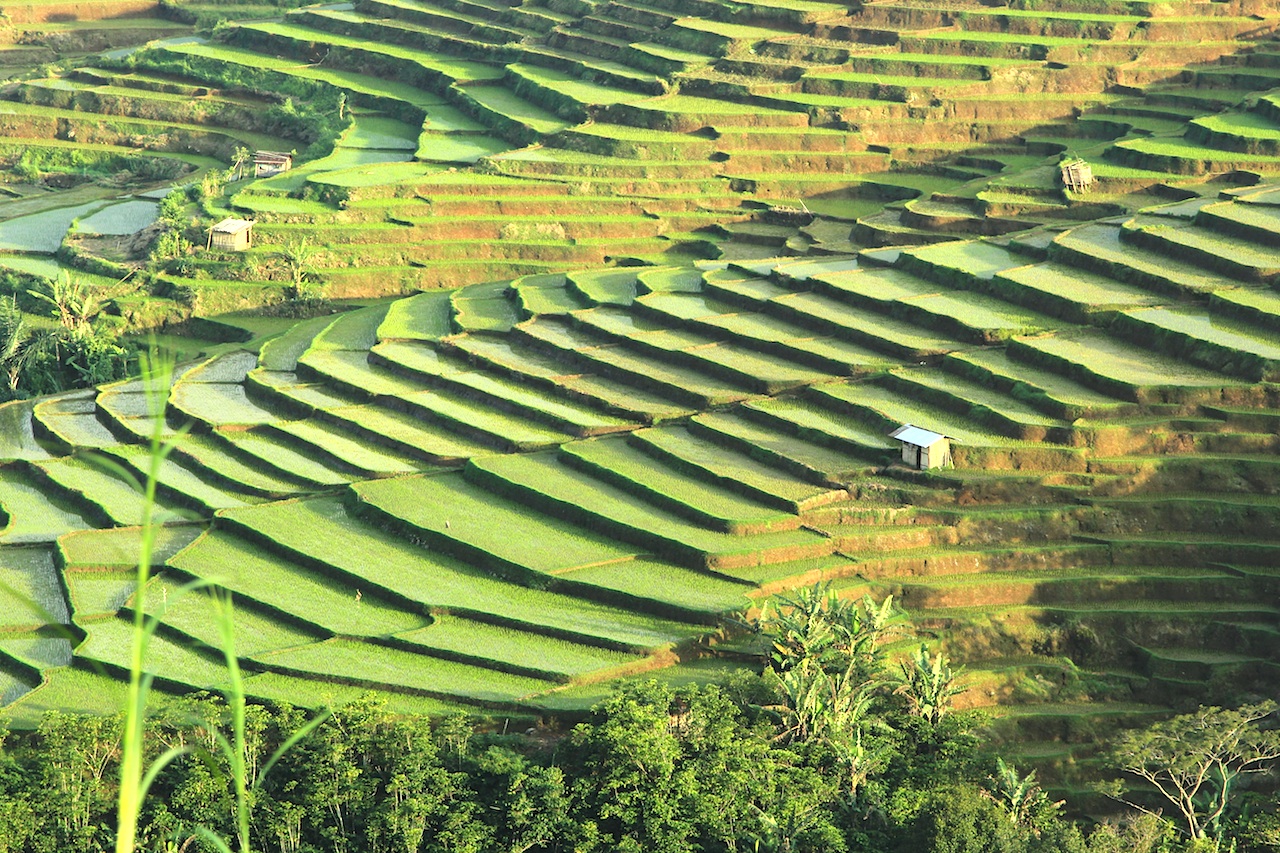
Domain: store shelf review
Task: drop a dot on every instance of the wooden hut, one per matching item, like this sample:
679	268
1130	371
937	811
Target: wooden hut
922	448
1077	175
268	163
232	235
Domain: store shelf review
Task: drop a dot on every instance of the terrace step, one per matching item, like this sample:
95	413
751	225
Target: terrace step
404	433
1227	255
549	482
30	514
517	119
283	389
1068	292
531	366
1253	222
661	59
1051	393
415	65
653	18
975	317
497	392
886	228
417	23
1100	248
1249	78
541	20
181	485
340	448
546	294
551	553
1259	307
272	453
812	461
214	404
1117	368
1186	157
684	386
979	402
694	453
689	113
1233	347
71	420
592	68
821	425
614	28
738	162
1199	664
216	464
528	205
716	355
961	263
660	480
761	332
829	316
444	226
979	565
590	44
100	494
1062	587
334	537
1117	28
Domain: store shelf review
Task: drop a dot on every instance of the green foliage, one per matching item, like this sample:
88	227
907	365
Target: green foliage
72	301
1022	799
1195	760
172	208
838	634
34	162
958	819
297	261
78	353
654	768
927	682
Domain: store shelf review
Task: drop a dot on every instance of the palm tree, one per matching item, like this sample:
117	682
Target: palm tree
18	343
842	635
73	303
1020	796
297	260
238	158
928	683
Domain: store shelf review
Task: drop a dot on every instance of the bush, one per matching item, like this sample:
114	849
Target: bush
962	819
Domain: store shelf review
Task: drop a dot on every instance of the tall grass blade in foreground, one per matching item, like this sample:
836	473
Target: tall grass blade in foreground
157	375
135	781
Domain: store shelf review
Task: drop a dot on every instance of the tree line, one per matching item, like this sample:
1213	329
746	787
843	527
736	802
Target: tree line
829	749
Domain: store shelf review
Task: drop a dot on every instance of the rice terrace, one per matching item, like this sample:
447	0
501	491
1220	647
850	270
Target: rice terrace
530	348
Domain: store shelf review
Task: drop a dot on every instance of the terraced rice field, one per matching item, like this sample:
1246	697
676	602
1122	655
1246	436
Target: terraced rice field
623	411
651	136
385	534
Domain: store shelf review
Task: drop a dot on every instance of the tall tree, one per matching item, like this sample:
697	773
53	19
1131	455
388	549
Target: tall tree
1195	760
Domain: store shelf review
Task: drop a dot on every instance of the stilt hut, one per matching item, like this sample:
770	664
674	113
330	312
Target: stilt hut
268	163
1077	175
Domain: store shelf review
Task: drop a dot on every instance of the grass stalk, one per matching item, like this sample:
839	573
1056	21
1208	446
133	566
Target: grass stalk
157	374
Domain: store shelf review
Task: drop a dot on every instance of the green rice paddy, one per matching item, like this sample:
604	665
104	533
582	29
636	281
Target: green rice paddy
450	506
579	255
1124	363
